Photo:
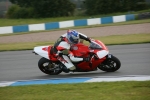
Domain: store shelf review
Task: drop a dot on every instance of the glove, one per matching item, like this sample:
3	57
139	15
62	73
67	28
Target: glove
60	54
89	39
87	59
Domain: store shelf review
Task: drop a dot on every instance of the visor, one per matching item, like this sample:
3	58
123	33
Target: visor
73	40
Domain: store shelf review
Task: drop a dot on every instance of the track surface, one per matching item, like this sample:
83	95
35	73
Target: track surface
22	65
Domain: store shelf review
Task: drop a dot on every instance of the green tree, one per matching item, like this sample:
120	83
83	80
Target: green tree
116	5
141	5
102	6
25	3
111	6
47	8
90	6
133	5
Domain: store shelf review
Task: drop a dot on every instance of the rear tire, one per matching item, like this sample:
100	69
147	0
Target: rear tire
111	64
47	67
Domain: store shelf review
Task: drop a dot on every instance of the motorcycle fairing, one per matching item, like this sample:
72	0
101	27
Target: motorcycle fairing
80	50
42	51
88	66
102	45
102	53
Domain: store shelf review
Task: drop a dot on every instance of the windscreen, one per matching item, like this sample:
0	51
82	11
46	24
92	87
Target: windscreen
94	45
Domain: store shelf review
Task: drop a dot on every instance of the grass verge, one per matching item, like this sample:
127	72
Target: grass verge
132	90
108	40
12	22
89	26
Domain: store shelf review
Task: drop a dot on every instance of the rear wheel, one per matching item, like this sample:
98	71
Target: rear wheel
47	67
110	64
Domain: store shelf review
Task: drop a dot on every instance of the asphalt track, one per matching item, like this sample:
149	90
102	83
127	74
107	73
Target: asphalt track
22	65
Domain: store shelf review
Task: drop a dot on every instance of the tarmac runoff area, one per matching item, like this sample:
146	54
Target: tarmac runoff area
76	80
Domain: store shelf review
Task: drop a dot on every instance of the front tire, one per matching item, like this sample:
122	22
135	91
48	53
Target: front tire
47	67
111	64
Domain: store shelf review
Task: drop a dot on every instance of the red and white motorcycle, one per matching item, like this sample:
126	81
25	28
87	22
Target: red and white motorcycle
97	51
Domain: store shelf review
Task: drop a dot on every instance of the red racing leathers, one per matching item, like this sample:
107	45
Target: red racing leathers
62	47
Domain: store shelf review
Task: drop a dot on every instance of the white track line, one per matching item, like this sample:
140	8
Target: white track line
91	79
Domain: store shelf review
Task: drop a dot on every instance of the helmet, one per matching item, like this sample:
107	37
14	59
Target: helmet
73	36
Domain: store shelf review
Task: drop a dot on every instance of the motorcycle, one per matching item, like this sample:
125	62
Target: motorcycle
100	58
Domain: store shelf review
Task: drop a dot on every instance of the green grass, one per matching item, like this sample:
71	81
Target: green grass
126	39
12	22
82	91
89	26
131	90
22	46
113	24
108	40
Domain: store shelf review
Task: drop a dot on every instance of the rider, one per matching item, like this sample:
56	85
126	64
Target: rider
62	48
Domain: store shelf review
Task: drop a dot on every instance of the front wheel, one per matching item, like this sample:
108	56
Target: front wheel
47	67
111	64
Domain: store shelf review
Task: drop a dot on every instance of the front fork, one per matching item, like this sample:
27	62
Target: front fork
109	56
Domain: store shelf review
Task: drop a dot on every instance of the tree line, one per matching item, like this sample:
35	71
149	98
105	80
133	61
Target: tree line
111	6
60	8
40	8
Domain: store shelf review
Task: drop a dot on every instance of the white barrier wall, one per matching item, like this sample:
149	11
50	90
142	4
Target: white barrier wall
65	24
7	29
37	27
121	18
94	21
